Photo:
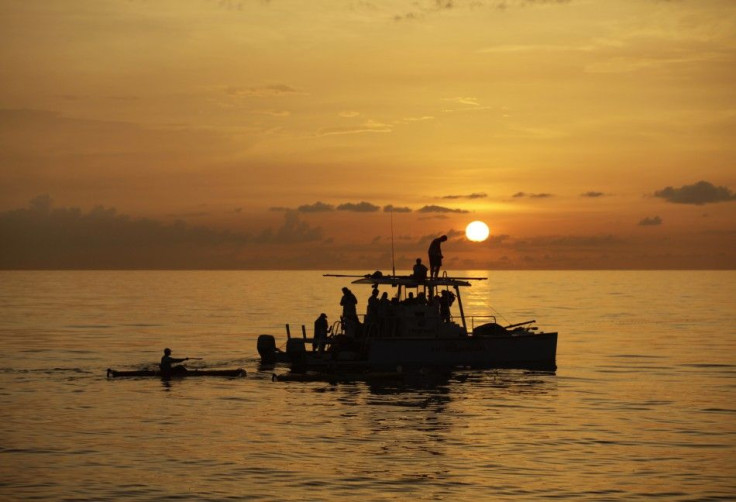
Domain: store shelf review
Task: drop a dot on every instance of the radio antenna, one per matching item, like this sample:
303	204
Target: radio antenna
393	259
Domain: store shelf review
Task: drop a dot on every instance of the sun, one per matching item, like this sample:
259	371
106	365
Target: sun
477	231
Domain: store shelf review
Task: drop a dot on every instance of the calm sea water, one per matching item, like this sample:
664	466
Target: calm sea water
643	404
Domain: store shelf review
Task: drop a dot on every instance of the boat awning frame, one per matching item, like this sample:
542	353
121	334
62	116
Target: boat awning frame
408	281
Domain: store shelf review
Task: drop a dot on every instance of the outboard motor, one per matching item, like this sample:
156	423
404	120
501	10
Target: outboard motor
297	352
267	348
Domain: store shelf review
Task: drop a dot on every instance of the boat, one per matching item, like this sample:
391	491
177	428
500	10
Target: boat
415	333
232	373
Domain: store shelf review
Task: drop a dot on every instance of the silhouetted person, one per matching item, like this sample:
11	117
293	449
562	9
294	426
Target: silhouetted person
371	313
420	271
383	306
435	256
349	304
349	312
446	300
166	364
321	329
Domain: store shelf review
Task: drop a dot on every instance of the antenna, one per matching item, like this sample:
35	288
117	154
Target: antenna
393	259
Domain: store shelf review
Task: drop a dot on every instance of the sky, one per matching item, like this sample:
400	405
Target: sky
587	134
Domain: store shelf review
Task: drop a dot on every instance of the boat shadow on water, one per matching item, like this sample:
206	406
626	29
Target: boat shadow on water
434	379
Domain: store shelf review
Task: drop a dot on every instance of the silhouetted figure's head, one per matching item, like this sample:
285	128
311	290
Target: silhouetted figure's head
443	238
167	352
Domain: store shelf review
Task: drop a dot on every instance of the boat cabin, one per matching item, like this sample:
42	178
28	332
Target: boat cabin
417	309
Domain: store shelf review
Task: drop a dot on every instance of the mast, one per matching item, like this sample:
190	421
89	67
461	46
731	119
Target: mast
393	259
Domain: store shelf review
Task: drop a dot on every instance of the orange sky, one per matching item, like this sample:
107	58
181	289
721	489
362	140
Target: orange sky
276	132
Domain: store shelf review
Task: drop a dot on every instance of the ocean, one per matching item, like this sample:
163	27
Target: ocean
642	405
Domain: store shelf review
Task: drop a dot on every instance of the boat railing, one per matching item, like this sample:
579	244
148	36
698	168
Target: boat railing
337	328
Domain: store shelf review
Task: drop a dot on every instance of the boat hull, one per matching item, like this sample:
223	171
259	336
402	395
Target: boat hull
527	351
519	351
189	373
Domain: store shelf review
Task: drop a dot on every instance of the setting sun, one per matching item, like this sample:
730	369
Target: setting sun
477	231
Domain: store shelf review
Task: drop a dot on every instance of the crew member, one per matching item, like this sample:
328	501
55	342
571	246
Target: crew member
320	333
435	256
420	271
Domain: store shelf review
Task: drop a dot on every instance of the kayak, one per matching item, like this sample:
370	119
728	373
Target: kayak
240	372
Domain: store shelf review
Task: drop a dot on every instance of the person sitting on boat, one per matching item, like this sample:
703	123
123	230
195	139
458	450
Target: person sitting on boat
420	271
167	361
435	256
421	298
409	300
321	329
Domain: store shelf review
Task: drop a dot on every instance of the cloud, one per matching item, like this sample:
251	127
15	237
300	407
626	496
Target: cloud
293	230
579	242
698	193
262	91
464	101
42	236
519	195
45	237
369	126
361	207
479	195
651	222
422	9
592	195
191	214
317	207
391	208
440	209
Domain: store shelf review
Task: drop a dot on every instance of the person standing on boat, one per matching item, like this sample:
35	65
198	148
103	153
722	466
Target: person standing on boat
349	304
435	256
420	271
371	313
446	300
349	312
321	329
167	361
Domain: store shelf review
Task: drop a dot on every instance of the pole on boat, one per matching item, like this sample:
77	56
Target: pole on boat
393	260
460	306
288	332
304	332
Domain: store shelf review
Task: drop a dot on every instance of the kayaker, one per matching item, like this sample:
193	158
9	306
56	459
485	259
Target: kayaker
167	361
